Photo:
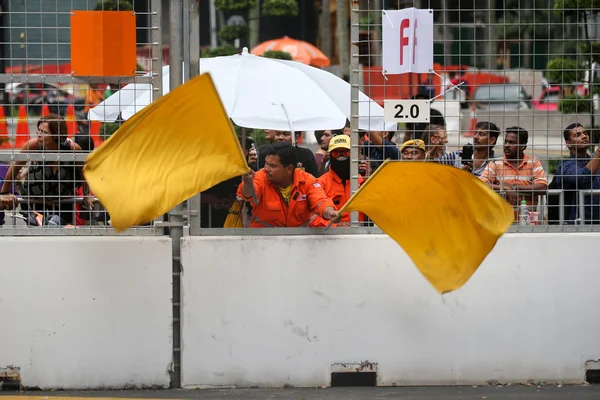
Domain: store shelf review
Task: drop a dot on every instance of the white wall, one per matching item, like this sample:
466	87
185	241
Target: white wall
86	312
273	311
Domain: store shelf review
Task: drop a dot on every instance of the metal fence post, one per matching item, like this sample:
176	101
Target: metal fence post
194	63
176	215
354	82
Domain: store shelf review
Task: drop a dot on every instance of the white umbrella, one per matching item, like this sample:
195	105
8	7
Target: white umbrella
257	92
370	114
264	93
128	100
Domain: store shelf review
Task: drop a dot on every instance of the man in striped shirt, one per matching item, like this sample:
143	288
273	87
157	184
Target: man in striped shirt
484	139
518	175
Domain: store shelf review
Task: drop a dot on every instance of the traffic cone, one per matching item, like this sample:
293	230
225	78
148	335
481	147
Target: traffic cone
22	131
71	121
4	140
472	123
95	132
45	110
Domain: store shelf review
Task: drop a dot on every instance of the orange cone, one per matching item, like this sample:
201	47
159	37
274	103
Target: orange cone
95	132
4	140
22	131
472	123
71	121
45	110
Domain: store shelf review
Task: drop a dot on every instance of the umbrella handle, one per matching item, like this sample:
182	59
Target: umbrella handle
290	124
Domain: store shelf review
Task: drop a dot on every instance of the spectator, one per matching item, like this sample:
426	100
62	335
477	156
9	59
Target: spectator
3	170
427	87
216	202
347	130
321	155
580	172
83	212
336	182
47	183
436	139
413	150
518	175
415	130
378	147
270	136
287	196
305	158
484	139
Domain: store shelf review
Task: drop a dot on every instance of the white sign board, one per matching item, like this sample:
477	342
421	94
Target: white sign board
407	41
406	110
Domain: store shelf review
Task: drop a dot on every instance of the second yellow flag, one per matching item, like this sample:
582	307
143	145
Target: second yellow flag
445	219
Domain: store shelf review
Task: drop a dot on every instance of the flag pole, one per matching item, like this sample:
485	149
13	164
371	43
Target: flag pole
345	206
254	196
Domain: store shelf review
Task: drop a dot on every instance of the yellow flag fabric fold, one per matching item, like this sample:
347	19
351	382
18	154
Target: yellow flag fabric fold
176	147
446	219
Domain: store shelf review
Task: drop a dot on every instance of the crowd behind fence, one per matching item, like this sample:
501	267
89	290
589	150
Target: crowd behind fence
514	102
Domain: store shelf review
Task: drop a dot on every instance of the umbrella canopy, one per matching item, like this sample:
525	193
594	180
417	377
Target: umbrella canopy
263	93
256	92
370	113
301	51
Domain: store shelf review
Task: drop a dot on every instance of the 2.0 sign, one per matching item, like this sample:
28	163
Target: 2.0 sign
407	40
406	110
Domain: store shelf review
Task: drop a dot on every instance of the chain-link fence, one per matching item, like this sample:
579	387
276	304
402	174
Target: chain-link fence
514	99
46	128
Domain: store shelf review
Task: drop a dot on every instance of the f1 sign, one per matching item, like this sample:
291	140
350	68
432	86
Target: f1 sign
407	40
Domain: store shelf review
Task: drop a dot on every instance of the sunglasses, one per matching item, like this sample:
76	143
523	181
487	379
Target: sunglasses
340	153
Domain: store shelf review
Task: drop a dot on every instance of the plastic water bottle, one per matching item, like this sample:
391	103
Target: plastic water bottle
523	213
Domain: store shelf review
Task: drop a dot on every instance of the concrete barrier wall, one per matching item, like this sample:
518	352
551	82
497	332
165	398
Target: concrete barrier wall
85	313
273	311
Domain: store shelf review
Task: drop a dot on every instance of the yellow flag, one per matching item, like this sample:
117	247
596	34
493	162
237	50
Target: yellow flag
446	219
176	147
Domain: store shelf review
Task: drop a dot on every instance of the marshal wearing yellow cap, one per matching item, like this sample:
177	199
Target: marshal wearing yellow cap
413	150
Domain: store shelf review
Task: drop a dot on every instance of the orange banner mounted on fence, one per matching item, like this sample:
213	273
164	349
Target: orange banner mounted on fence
103	43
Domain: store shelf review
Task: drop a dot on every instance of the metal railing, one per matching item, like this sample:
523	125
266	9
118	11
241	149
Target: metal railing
484	42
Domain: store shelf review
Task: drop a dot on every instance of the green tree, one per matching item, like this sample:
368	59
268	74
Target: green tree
527	21
252	10
282	55
114	5
579	9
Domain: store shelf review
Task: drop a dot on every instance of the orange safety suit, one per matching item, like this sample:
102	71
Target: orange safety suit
339	192
307	199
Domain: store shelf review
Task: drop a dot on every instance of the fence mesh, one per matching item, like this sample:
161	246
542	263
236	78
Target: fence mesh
524	71
515	82
46	129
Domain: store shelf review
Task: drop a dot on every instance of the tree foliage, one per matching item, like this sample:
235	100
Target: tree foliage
225	50
282	55
232	32
280	8
584	49
575	104
234	5
109	128
114	5
537	22
564	71
576	6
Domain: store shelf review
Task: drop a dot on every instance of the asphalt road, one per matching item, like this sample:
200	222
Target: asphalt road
575	392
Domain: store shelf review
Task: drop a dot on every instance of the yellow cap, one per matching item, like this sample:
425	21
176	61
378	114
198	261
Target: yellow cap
418	143
339	142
